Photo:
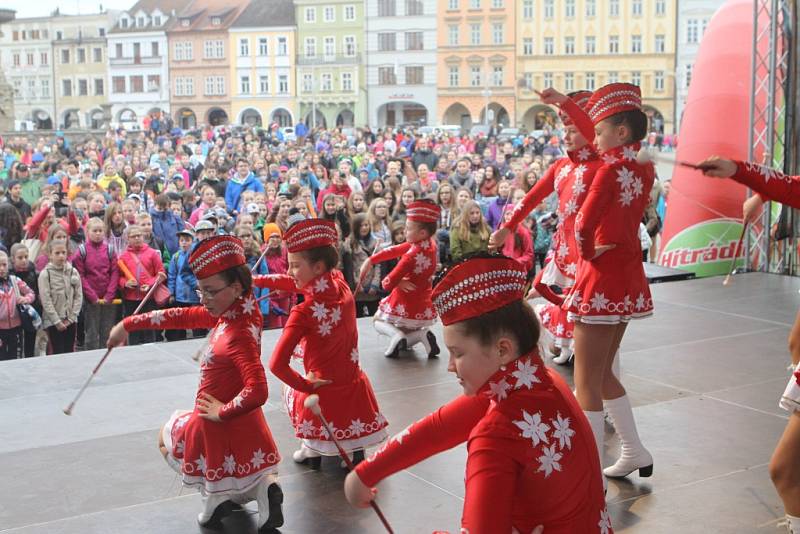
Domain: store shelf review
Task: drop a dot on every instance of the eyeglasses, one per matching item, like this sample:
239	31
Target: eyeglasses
210	293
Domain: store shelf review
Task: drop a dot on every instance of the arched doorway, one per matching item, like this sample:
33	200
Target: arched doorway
41	120
320	121
458	114
250	116
345	118
539	117
498	116
217	117
96	118
71	119
655	119
186	119
397	113
126	118
282	116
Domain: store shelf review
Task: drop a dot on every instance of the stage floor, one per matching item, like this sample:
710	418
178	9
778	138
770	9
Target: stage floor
704	373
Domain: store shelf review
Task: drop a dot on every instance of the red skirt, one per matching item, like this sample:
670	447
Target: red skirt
556	321
412	310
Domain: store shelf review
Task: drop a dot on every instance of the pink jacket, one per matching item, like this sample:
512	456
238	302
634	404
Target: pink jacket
99	271
144	264
9	316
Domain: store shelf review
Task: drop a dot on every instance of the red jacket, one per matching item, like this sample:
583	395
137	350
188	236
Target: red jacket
144	264
99	271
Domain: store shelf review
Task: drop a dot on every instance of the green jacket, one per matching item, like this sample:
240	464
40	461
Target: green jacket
31	190
460	248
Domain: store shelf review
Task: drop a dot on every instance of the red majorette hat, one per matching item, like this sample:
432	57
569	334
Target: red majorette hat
423	211
310	233
581	98
612	99
478	286
216	254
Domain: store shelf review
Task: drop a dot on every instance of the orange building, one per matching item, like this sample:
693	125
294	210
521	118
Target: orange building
477	64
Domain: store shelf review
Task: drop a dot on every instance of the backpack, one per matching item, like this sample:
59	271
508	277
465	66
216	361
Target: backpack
110	250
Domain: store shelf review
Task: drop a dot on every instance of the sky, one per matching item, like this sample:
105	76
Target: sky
43	8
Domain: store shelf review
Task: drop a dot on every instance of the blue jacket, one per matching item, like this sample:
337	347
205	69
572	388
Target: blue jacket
234	190
181	281
258	292
165	227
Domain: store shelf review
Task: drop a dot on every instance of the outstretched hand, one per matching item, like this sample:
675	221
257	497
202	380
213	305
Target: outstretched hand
498	238
717	167
357	493
117	337
552	97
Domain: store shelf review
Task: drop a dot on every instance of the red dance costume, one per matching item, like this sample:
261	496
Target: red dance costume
532	458
234	455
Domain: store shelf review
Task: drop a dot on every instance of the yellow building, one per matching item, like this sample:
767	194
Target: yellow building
263	86
585	44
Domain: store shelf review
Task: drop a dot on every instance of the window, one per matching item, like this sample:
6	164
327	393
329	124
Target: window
118	84
387	42
66	87
549	9
569	9
413	40
349	45
83	87
659	81
140	22
32	88
475	75
636	78
497	33
497	76
17	87
387	8
122	23
661	7
244	47
29	57
80	56
15	35
474	4
590	44
613	8
154	49
46	88
310	47
64	57
613	44
636	44
329	47
497	4
693	31
308	82
452	76
263	84
244	85
326	82
263	49
328	14
475	33
636	7
386	76
209	85
527	46
452	4
549	46
283	84
15	59
184	86
97	55
590	83
214	49
591	8
347	82
569	45
687	80
528	78
137	84
613	77
415	8
44	59
283	46
118	50
548	79
99	89
349	13
660	44
527	9
219	49
452	34
311	15
415	75
156	22
569	82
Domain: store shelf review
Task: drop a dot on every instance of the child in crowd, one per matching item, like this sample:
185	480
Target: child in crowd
139	266
280	302
61	294
257	264
13	291
182	283
25	270
470	234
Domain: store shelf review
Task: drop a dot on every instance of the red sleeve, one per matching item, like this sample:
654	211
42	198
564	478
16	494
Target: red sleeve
253	395
35	222
389	253
769	183
595	205
580	118
533	198
403	268
490	485
293	332
171	319
275	282
445	428
73	222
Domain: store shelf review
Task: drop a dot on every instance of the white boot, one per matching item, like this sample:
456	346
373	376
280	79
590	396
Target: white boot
417	336
793	523
210	504
565	356
395	334
303	453
633	455
599	432
269	497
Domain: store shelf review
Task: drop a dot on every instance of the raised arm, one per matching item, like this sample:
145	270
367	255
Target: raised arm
171	319
533	198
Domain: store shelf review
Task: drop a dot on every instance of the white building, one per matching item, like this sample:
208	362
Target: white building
138	61
693	19
401	62
26	57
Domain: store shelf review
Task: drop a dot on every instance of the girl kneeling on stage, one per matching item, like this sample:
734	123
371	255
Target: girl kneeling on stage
531	457
223	447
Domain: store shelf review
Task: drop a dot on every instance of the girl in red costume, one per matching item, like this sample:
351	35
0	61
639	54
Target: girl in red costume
531	457
784	467
322	331
610	288
407	313
223	447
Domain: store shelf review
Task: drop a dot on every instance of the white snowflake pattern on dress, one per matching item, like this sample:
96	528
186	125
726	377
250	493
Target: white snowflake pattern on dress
218	331
563	250
249	305
400	310
599	301
157	317
572	269
319	311
625	177
354	355
258	459
525	374
605	521
336	315
570	207
584	153
323	431
402	434
640	301
255	331
180	447
559	329
499	390
533	427
629	153
201	464
229	465
609	159
320	285
422	262
306	428
548	461
356	427
562	432
324	328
